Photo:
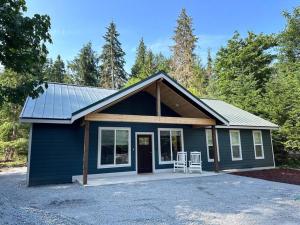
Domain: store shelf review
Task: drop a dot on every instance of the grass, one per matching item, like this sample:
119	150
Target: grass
19	160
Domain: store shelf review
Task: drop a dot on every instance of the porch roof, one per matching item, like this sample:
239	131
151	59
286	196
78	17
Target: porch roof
64	103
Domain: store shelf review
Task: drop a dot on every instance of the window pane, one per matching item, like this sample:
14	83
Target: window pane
209	137
236	151
211	154
176	143
107	147
258	149
165	146
122	146
257	138
235	138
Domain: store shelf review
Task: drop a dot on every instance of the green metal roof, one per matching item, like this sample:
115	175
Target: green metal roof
236	116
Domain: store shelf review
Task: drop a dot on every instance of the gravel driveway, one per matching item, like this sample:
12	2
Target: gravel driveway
223	199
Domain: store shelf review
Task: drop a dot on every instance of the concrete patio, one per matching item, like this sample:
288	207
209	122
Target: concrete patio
124	179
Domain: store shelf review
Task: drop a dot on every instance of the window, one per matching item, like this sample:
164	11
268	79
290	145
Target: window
114	147
209	145
235	141
258	145
170	142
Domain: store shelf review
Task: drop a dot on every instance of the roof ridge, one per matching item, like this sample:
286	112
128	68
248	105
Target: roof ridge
80	85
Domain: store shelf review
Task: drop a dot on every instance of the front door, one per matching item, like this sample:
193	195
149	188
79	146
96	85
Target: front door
144	152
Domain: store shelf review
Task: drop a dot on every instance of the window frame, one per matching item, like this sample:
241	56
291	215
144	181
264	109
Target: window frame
262	144
240	145
99	166
207	146
160	162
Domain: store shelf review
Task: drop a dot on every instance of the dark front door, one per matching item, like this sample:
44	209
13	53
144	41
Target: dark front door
144	152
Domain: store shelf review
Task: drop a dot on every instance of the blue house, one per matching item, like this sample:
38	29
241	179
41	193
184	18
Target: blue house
87	131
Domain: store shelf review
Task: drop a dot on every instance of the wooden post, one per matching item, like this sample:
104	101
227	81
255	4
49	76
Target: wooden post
158	110
214	139
86	152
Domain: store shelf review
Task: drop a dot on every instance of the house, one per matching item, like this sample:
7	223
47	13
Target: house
77	130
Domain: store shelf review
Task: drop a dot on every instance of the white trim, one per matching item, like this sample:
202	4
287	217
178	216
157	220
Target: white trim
136	150
272	148
262	144
29	155
246	127
240	145
159	151
207	147
99	166
248	169
63	121
140	86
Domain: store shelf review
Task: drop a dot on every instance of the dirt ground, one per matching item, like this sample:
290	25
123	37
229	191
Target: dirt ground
289	176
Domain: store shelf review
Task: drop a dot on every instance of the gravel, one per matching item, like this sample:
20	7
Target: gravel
223	199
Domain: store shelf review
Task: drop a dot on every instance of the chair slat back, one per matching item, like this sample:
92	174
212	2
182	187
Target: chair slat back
181	156
195	157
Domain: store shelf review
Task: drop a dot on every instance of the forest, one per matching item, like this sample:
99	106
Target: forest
257	72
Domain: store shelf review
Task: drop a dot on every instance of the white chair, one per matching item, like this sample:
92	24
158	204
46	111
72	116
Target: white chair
181	162
195	163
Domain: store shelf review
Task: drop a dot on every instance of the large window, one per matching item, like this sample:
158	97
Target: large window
235	141
114	147
209	145
170	142
258	144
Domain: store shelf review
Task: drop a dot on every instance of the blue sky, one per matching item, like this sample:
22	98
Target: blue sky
76	22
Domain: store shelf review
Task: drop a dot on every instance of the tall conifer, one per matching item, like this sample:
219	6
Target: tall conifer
112	71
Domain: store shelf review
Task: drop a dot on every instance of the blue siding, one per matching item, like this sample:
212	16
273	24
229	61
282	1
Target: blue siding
56	152
141	103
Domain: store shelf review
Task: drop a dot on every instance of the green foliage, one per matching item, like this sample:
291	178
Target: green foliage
22	47
246	56
183	56
112	71
84	68
140	59
290	37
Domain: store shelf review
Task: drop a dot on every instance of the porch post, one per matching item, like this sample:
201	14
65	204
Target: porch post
158	110
214	139
86	151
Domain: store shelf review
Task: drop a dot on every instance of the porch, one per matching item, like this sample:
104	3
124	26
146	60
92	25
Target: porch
129	178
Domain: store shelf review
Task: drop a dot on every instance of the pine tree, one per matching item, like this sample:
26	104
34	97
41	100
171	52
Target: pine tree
84	67
58	71
209	65
140	59
183	57
112	70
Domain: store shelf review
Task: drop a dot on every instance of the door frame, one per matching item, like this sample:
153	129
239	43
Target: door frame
136	150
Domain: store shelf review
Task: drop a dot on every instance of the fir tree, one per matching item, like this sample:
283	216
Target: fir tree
209	65
112	70
84	67
183	57
58	71
140	59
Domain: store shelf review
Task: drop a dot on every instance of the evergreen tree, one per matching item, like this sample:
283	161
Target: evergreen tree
183	56
209	66
84	68
140	59
289	39
112	70
58	71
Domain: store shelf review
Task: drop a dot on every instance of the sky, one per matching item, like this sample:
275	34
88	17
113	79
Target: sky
76	22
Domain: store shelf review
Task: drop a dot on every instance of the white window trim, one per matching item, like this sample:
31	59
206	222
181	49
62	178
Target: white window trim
207	147
240	145
99	166
262	144
160	162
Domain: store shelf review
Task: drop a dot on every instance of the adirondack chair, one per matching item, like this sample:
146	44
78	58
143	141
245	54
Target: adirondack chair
181	162
195	163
